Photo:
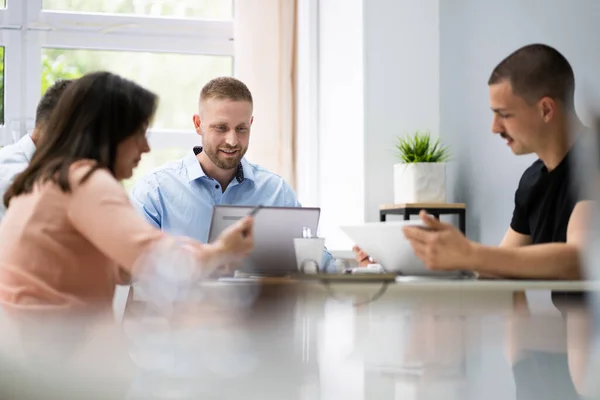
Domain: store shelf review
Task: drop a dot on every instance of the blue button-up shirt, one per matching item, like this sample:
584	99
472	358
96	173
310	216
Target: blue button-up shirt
178	197
14	159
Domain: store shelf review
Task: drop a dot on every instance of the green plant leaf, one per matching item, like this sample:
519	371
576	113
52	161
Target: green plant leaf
420	148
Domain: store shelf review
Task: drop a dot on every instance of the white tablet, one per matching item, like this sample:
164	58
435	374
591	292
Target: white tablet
386	243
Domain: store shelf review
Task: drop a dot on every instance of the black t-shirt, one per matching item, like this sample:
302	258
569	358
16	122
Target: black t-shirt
544	202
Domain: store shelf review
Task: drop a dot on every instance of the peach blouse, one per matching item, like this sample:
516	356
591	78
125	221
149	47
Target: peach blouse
63	249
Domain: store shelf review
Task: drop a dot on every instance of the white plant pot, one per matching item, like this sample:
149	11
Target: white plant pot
420	183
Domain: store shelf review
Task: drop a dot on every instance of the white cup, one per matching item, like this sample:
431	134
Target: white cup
309	253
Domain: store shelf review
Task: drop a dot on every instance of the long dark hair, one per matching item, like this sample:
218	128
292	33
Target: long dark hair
96	113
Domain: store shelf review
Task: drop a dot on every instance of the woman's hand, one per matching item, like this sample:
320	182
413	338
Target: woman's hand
231	247
237	241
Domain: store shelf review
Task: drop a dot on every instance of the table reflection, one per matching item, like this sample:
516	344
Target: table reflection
281	339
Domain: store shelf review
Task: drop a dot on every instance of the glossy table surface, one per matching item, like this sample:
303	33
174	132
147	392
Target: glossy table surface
275	339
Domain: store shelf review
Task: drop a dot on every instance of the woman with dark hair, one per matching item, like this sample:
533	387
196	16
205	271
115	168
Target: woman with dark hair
70	223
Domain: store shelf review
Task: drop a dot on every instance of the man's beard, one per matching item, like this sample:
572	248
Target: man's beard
225	163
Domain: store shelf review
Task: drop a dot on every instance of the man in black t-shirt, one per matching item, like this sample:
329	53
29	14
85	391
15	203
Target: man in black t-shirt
532	97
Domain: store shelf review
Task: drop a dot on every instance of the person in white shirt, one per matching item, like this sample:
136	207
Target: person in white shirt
15	158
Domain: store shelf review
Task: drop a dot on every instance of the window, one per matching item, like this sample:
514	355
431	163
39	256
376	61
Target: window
153	159
178	91
172	47
215	9
1	85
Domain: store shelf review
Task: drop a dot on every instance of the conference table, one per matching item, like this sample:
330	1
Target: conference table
410	339
314	339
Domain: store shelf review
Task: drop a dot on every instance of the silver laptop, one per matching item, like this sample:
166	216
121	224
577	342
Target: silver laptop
274	231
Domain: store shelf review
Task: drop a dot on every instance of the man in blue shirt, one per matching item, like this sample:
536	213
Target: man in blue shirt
179	196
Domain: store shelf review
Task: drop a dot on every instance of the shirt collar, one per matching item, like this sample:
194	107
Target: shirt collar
27	147
195	171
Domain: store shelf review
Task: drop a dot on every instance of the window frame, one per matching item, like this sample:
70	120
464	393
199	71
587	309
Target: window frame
13	123
10	39
30	29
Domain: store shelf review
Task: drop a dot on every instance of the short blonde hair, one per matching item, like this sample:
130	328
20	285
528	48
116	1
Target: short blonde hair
226	87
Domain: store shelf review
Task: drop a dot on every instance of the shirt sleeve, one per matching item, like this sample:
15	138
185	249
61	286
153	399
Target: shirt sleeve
520	221
4	185
7	177
100	211
288	196
146	201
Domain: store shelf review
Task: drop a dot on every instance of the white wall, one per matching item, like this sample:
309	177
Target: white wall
307	144
340	118
372	88
474	36
401	45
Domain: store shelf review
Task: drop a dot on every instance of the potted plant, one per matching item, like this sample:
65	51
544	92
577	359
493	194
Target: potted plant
420	176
